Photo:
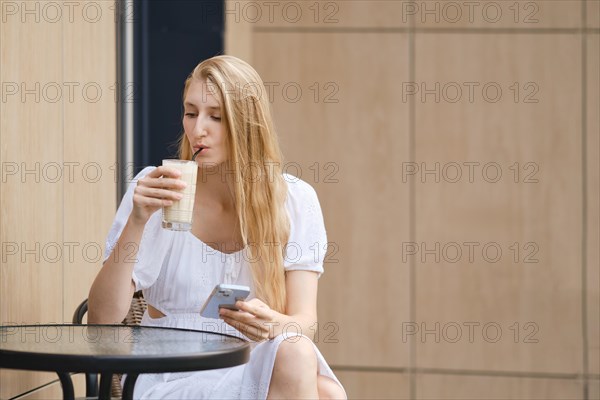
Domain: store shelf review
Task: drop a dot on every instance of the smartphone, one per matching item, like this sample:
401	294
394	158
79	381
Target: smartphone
223	295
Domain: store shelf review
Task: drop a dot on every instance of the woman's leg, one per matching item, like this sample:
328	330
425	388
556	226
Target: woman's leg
295	370
329	389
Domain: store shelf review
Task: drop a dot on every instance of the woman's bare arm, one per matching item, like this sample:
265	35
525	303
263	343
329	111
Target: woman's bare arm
111	292
110	296
301	290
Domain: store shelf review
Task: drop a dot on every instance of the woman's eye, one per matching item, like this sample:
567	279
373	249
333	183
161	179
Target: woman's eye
216	118
190	115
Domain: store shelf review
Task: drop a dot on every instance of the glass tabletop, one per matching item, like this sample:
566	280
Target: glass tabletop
118	348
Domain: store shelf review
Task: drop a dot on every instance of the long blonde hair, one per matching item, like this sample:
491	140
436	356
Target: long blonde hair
255	162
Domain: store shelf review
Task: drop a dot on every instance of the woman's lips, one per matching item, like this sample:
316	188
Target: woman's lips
201	151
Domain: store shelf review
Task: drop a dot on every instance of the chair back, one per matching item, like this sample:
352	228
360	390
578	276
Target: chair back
133	317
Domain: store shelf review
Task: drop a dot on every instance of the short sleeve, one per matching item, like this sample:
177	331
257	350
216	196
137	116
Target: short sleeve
307	243
153	245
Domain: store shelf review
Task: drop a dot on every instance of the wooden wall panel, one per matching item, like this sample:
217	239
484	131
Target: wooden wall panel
51	63
593	203
382	14
54	390
466	387
374	385
536	225
346	141
593	13
31	146
238	31
30	200
89	143
288	14
594	389
540	125
490	14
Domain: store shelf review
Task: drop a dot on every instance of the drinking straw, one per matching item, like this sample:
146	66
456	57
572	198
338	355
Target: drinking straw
195	154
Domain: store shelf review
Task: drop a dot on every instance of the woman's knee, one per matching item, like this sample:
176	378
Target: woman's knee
297	352
295	371
329	389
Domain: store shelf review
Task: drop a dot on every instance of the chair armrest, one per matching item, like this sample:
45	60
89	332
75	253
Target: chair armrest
80	312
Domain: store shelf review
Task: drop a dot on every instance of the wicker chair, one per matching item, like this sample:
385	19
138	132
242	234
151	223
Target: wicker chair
134	317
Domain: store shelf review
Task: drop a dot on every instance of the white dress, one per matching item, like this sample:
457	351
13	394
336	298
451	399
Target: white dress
177	272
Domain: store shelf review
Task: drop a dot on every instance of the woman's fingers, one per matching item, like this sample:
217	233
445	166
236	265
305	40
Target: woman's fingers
245	318
158	189
239	316
163	177
164	171
259	309
252	330
144	201
158	193
166	183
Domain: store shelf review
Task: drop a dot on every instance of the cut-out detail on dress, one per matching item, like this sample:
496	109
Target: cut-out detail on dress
155	313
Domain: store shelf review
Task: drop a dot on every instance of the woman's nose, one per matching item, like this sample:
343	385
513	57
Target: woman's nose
200	128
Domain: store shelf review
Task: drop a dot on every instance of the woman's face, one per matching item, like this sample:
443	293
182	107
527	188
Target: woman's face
202	124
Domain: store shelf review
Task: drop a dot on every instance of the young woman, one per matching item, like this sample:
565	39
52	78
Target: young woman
248	218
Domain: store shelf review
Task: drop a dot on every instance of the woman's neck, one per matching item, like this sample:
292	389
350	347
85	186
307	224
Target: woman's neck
214	187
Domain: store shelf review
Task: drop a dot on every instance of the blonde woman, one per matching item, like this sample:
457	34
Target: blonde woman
247	215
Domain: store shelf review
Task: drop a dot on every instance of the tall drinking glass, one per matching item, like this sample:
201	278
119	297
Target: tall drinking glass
178	216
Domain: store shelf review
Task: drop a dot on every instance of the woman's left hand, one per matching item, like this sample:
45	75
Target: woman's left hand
256	320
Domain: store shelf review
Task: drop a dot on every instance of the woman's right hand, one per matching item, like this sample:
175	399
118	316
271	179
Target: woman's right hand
155	190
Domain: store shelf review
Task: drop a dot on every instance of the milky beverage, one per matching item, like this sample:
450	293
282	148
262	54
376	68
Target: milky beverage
178	217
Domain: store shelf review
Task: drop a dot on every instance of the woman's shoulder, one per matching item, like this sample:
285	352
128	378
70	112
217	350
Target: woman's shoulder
307	225
298	189
302	201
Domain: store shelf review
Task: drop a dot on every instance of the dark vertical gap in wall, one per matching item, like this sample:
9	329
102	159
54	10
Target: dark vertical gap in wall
412	209
141	152
171	38
62	60
584	325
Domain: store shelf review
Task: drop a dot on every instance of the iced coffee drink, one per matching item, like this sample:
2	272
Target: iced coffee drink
178	216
